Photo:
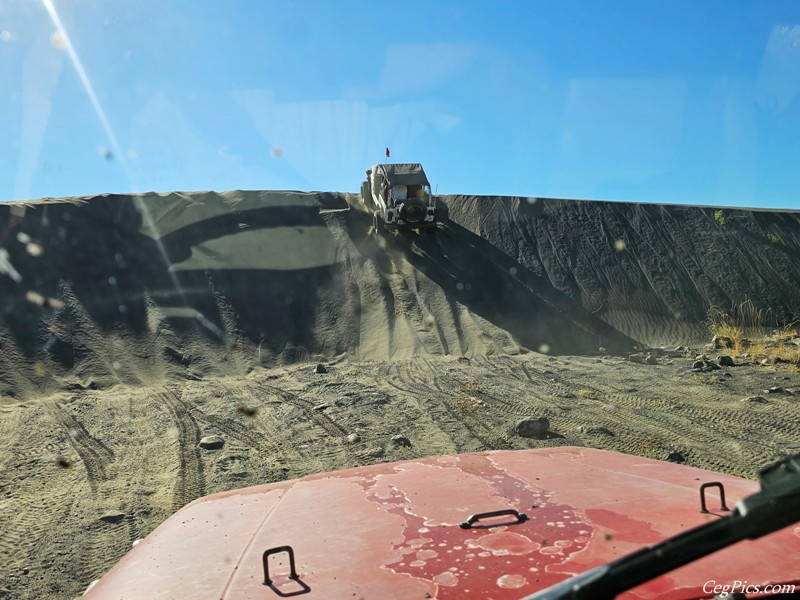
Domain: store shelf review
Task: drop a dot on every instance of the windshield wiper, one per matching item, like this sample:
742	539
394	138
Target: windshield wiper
774	507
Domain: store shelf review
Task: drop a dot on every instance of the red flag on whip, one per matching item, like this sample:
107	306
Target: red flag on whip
388	154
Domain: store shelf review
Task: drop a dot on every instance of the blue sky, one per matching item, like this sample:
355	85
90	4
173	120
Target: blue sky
669	101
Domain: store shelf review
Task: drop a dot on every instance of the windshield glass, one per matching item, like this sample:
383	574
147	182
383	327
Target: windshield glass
208	283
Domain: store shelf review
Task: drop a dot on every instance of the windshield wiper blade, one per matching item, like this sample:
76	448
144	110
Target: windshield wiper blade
775	506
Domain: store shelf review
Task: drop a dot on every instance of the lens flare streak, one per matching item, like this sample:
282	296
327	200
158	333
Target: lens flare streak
87	84
66	43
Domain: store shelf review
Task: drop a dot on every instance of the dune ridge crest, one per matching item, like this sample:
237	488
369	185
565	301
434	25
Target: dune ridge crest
276	277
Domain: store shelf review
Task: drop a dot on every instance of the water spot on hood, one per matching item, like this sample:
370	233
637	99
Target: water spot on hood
505	542
436	549
509	581
447	579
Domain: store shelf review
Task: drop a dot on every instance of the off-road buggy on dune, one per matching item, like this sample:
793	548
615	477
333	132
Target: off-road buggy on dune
399	197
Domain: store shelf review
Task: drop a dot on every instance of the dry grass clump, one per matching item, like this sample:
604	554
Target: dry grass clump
777	348
706	380
649	444
743	319
730	330
465	406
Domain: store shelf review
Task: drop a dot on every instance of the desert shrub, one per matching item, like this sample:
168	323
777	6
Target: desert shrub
743	321
711	380
720	218
649	444
789	331
721	324
465	406
747	320
777	348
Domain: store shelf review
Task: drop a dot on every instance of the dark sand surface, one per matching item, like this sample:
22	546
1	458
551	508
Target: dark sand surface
132	327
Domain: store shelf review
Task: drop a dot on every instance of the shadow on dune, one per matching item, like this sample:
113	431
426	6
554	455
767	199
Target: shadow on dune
308	213
296	272
271	266
97	261
96	252
280	307
473	272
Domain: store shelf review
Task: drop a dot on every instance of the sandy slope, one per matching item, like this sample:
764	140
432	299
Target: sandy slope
302	275
177	316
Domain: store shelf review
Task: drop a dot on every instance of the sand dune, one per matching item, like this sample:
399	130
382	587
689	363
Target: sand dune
132	326
297	274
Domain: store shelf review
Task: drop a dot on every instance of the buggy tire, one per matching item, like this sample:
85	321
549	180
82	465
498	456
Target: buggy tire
377	224
412	211
365	193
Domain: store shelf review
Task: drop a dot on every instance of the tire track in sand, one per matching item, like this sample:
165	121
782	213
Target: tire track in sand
325	454
330	426
27	530
94	454
446	405
190	483
231	428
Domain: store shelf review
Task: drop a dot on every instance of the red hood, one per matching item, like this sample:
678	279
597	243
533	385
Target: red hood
392	531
